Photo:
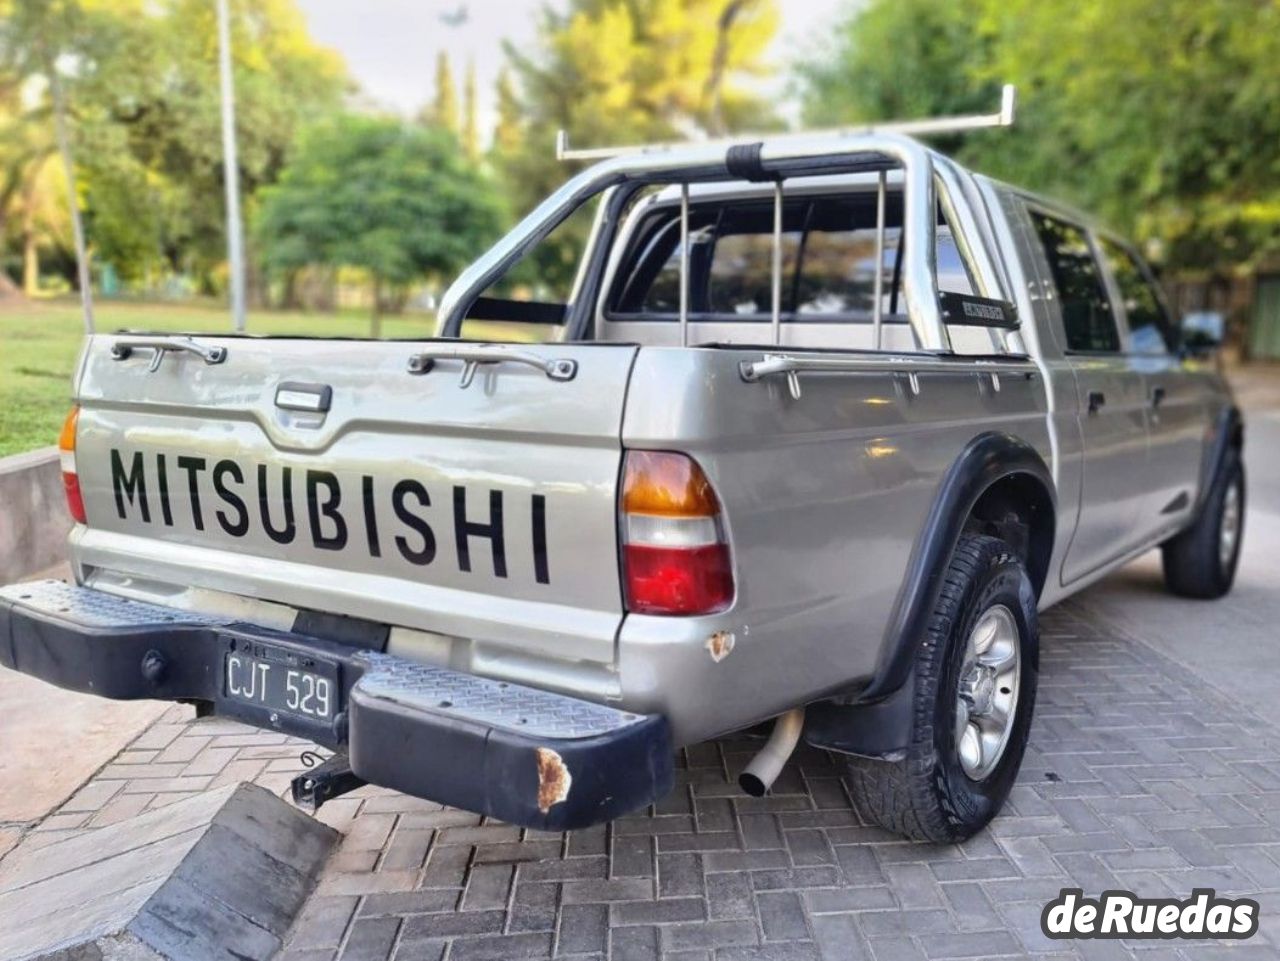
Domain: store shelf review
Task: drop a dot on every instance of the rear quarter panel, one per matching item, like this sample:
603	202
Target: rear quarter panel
823	499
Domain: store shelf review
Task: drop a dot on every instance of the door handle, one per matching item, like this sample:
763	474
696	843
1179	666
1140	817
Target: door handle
1157	396
1097	400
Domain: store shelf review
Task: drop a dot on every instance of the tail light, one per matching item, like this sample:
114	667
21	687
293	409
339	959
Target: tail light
67	454
674	553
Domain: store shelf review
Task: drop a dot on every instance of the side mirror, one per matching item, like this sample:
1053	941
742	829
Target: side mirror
1203	331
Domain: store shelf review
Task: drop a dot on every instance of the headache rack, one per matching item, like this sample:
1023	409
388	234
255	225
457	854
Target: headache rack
927	180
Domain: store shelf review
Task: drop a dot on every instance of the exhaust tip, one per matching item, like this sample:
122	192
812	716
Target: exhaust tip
752	785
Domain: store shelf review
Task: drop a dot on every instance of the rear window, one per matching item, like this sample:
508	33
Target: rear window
828	262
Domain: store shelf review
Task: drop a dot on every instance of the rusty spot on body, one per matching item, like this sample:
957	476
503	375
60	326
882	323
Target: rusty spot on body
554	780
720	644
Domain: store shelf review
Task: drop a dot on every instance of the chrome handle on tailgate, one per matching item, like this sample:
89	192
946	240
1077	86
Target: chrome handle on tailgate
473	355
162	345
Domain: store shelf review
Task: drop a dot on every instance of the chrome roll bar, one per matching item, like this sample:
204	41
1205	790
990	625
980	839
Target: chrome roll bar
777	159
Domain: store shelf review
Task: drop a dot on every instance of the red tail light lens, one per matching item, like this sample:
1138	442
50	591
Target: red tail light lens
75	501
70	479
675	556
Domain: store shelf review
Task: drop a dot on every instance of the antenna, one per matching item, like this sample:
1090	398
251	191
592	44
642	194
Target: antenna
916	128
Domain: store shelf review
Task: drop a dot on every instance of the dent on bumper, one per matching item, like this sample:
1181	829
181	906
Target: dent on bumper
524	755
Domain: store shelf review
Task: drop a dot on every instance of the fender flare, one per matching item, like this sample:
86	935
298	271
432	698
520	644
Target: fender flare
1228	433
876	722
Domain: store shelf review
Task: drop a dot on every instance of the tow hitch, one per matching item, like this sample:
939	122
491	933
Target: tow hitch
324	782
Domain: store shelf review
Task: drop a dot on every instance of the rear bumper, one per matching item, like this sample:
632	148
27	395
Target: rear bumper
523	755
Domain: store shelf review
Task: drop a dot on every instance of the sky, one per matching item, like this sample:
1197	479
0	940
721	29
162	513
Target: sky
390	45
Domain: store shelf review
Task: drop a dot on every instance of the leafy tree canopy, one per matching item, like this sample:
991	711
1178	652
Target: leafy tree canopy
141	78
1159	115
621	71
399	201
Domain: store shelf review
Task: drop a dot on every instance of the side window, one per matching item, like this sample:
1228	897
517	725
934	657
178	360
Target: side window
1150	329
1087	318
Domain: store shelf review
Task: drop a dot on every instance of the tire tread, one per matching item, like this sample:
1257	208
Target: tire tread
1192	567
905	796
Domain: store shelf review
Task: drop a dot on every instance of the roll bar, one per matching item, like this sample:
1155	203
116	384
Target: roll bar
772	158
792	157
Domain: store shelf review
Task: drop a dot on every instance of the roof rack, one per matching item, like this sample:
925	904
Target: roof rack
915	128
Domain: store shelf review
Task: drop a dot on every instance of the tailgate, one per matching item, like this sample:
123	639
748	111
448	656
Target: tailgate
328	475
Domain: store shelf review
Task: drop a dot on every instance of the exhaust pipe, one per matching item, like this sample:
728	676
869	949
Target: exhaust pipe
765	767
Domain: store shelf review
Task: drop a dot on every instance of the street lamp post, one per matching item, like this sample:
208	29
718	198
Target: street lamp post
231	169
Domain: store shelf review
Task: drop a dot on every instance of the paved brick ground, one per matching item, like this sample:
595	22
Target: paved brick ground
1138	777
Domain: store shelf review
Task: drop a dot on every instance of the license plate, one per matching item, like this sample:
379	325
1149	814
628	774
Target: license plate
277	680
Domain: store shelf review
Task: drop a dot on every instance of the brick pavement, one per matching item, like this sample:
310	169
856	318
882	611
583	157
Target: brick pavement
1139	776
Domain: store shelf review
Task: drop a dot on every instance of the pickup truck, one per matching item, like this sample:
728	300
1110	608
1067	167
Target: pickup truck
823	424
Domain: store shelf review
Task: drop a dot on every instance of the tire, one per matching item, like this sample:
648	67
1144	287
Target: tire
1200	562
928	795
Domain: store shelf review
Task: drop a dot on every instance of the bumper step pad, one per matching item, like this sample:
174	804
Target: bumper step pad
524	755
97	609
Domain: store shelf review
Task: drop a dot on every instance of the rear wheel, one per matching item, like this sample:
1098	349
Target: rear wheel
975	683
1201	561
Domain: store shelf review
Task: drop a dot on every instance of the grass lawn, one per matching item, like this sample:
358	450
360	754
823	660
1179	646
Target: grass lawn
39	343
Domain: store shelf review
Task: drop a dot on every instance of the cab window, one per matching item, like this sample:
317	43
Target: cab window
1088	322
1150	330
828	262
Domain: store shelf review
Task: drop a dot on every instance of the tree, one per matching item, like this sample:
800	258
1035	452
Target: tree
45	220
901	60
38	35
1157	114
470	121
508	132
620	71
142	84
443	111
398	201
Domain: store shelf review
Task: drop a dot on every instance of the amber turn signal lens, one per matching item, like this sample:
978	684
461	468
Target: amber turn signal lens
666	484
67	439
70	479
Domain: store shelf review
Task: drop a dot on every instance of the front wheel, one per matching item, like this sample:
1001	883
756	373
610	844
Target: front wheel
1201	561
975	678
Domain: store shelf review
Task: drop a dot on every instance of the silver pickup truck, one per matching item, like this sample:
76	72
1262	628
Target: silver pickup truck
825	420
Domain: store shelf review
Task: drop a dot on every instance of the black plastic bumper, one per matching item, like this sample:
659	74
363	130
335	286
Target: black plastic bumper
520	754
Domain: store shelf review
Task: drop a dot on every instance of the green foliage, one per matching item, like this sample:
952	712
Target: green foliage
899	60
470	133
621	71
507	132
142	80
1157	114
443	109
399	201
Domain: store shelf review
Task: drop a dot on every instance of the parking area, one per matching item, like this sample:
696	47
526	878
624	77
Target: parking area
1139	776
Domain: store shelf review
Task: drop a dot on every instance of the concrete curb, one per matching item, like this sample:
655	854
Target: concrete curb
217	877
33	514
